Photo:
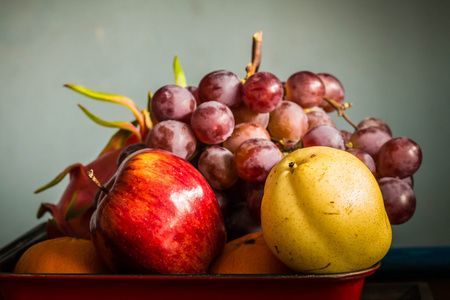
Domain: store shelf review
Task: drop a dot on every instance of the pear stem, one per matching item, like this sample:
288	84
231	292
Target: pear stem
94	179
341	110
292	166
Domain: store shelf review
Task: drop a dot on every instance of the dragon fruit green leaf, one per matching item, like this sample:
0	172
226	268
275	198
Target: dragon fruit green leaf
109	98
118	124
59	177
120	139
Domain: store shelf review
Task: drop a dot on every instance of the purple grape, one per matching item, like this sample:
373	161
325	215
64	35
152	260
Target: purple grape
174	136
324	135
223	201
369	139
254	199
254	159
305	88
333	90
399	157
240	222
212	122
128	150
243	114
172	102
374	122
222	86
262	92
238	192
194	92
365	157
347	136
409	180
288	123
243	132
317	116
216	165
399	199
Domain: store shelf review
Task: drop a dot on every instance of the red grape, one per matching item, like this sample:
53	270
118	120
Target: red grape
243	132
254	159
212	122
365	157
347	135
333	90
240	222
409	180
174	136
370	139
399	199
173	102
288	122
317	116
324	135
399	157
128	150
243	114
238	192
222	86
194	92
374	122
262	92
216	165
305	88
223	201
254	199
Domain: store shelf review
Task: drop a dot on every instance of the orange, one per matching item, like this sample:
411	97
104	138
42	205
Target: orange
248	254
61	255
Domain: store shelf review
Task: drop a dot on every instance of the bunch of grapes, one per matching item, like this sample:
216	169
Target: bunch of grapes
235	130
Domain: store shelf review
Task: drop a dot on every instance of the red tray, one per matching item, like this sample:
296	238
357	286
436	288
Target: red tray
346	286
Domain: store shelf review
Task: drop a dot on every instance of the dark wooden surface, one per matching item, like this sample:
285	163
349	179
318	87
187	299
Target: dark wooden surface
411	273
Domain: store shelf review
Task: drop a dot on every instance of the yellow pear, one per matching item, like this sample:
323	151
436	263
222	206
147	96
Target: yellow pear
323	212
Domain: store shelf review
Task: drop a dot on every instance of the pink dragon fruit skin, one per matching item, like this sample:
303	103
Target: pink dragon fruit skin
71	215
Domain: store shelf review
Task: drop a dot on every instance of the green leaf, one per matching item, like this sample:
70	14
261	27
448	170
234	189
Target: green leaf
109	98
117	141
119	124
58	178
180	79
78	205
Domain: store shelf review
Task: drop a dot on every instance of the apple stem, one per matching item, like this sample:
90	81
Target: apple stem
341	109
253	67
94	179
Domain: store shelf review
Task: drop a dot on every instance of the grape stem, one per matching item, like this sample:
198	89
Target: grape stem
253	66
340	108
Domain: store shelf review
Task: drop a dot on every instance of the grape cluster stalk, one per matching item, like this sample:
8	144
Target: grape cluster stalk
234	130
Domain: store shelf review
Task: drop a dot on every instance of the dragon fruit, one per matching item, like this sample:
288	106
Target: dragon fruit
71	215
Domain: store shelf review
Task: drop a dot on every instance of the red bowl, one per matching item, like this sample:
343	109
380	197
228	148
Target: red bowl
346	286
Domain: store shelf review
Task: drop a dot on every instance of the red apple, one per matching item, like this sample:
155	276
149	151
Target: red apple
159	216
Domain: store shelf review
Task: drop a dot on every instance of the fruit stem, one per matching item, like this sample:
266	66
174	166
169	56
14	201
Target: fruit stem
253	67
340	108
293	165
94	179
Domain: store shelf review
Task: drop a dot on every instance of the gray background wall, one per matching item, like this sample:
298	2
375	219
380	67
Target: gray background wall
391	56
